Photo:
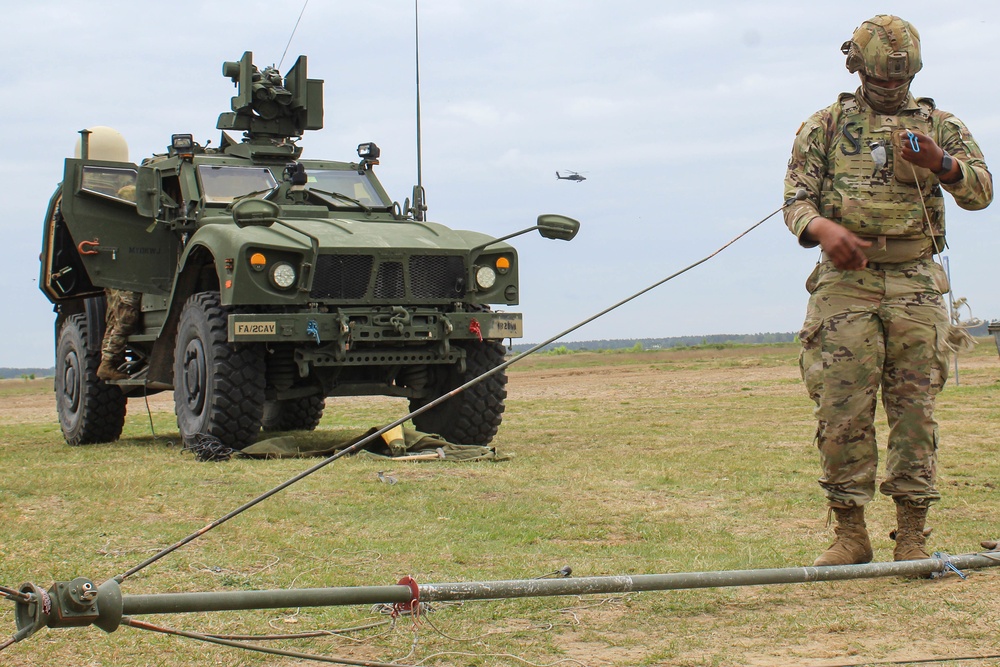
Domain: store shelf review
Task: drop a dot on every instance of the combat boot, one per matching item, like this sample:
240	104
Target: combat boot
108	371
910	535
852	545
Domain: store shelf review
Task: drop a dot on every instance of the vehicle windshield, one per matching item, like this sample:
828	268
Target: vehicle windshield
222	183
348	183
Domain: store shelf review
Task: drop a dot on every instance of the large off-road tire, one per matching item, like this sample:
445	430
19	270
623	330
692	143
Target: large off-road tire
218	385
293	414
473	416
90	411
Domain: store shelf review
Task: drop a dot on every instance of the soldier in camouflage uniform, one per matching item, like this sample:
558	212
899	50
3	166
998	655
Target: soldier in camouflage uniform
874	165
122	319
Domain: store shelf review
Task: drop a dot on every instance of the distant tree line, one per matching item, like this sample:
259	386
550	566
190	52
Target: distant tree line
659	343
639	344
26	373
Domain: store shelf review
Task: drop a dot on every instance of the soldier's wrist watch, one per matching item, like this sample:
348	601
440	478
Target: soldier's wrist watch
946	164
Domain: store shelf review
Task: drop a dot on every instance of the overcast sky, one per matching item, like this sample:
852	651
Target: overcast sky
680	114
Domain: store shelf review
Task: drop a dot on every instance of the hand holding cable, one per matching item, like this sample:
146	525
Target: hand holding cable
920	150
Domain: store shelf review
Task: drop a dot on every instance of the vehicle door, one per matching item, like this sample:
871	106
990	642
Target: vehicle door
118	247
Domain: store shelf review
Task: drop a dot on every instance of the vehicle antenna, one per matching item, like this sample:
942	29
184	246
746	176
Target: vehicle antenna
418	192
297	21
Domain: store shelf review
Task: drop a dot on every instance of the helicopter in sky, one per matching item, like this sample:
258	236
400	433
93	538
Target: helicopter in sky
573	176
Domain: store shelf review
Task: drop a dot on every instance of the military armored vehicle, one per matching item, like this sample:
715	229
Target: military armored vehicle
270	283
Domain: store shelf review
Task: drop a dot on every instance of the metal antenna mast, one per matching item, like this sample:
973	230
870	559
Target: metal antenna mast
416	59
419	199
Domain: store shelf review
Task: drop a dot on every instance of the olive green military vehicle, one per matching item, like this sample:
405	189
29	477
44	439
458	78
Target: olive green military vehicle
270	282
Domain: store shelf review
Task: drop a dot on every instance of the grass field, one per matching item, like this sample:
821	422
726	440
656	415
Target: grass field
635	463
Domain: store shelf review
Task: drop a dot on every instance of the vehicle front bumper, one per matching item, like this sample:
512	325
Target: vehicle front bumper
373	327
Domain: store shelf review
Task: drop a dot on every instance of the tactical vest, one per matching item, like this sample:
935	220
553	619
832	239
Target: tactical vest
875	202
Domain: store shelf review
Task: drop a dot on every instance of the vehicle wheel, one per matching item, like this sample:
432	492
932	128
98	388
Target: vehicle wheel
473	416
218	385
90	411
293	414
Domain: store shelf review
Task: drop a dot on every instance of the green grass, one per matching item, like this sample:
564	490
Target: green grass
641	463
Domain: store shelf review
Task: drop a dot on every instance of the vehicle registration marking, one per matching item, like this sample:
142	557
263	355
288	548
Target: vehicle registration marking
506	326
255	328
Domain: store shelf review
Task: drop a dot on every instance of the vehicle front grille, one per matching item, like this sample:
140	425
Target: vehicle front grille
342	276
389	281
437	276
421	277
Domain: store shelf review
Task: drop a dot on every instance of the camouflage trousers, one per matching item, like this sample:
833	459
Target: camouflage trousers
868	330
122	319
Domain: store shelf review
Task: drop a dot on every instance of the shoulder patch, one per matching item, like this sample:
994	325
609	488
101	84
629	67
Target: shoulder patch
803	124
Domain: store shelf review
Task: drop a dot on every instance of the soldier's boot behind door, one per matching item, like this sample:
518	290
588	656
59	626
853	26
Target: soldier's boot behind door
852	545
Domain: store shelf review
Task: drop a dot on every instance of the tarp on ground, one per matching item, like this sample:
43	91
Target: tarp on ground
397	444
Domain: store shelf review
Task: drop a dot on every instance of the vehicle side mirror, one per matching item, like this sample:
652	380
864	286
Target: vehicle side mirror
553	226
255	213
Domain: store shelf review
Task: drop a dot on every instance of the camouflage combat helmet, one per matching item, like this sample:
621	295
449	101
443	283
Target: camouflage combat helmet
884	47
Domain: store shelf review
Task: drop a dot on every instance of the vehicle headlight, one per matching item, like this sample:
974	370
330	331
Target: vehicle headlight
486	277
283	275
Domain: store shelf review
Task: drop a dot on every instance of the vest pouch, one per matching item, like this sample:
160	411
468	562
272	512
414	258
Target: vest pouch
905	172
831	203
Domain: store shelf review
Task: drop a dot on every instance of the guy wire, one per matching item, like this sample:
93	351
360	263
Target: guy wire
440	399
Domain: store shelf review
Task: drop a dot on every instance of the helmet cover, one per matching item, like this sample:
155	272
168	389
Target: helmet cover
884	47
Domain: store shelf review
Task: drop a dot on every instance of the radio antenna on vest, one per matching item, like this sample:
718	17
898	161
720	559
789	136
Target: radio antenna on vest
297	21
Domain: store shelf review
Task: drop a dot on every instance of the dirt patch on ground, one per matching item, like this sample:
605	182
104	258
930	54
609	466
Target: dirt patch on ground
620	383
24	403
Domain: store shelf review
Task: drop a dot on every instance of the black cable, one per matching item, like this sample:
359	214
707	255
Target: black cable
301	635
360	444
142	625
916	661
149	413
208	448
